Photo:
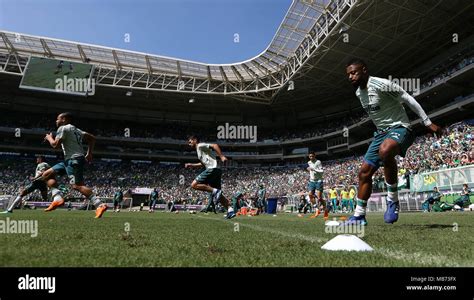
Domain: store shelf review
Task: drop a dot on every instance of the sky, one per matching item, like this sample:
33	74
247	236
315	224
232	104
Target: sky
198	30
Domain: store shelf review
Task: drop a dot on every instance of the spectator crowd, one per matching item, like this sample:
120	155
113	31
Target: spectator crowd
453	149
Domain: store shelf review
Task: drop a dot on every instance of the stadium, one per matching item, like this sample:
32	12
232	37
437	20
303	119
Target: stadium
267	114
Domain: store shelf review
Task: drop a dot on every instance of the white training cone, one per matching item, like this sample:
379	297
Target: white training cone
332	223
346	242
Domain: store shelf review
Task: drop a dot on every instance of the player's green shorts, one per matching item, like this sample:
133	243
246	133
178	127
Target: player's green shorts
400	134
315	186
211	177
345	202
74	168
36	185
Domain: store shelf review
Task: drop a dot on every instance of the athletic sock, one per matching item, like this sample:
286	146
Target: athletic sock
14	203
392	194
56	194
94	200
360	208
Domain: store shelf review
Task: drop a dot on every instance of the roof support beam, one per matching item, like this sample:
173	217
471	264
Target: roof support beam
116	59
9	45
47	51
237	74
178	67
224	76
209	76
148	64
82	54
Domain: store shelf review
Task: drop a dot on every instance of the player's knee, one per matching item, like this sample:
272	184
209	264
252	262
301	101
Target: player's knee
364	176
387	152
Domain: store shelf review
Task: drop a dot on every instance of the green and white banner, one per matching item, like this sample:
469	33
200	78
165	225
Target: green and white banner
443	179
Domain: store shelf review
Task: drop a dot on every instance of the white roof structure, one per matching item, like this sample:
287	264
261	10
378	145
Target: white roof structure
307	24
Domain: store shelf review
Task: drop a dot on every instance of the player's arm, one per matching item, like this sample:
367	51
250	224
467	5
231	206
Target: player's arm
90	140
216	148
54	142
318	167
416	108
189	165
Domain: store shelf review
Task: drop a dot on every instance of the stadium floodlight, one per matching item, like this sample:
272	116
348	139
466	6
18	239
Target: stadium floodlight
129	93
191	100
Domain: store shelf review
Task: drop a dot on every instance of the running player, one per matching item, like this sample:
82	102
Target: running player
383	100
210	179
42	186
316	184
70	139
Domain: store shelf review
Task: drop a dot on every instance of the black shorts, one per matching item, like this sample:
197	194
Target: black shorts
37	185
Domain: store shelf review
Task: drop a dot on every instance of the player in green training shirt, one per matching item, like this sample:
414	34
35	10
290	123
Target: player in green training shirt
40	185
383	101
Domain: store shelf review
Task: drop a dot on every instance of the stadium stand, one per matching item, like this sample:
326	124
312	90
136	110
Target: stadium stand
426	154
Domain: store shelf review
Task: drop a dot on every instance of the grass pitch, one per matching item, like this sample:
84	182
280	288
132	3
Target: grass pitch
75	238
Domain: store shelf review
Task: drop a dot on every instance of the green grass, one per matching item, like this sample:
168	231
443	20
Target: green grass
75	238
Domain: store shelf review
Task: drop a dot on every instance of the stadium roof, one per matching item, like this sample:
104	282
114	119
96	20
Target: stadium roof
306	24
399	38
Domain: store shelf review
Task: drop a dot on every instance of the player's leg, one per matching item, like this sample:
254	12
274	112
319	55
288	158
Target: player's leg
366	172
370	165
34	185
201	186
201	183
313	202
396	142
58	169
56	195
75	172
215	181
312	197
23	192
319	193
